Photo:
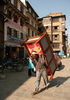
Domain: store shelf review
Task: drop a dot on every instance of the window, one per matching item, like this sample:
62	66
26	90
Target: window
15	18
15	33
56	37
32	23
28	32
55	45
30	10
9	31
55	27
18	7
48	27
21	36
9	14
21	8
63	26
21	22
34	15
46	19
35	18
35	25
55	19
32	33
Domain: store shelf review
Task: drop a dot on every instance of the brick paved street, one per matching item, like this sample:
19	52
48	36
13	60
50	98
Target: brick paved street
17	86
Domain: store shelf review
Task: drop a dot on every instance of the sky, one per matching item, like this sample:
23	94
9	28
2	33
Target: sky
44	7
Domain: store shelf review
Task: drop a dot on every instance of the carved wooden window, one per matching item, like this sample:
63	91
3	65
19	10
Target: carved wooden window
21	36
15	18
21	8
21	22
9	31
15	33
9	14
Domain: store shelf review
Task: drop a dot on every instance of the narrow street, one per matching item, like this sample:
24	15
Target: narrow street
18	86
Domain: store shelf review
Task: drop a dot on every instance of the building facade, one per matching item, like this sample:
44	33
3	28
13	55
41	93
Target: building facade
15	29
55	26
20	23
2	18
32	23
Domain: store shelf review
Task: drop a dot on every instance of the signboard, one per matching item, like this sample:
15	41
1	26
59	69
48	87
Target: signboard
34	47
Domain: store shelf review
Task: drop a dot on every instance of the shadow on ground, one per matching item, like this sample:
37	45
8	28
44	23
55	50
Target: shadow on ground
12	82
56	82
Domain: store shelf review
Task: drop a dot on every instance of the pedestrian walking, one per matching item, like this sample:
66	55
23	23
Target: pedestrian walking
30	66
40	65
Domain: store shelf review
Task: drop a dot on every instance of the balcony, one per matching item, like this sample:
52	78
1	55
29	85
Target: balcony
30	25
14	39
31	15
10	5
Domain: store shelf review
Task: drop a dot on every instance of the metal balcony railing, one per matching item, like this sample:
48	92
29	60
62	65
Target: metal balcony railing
14	39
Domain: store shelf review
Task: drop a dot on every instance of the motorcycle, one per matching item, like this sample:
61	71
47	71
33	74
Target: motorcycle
11	64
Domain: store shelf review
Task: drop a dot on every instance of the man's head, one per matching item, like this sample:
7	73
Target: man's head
34	52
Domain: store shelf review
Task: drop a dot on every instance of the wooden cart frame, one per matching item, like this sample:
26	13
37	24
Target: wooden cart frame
41	44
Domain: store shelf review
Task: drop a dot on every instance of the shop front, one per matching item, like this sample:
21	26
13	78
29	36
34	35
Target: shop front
14	51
